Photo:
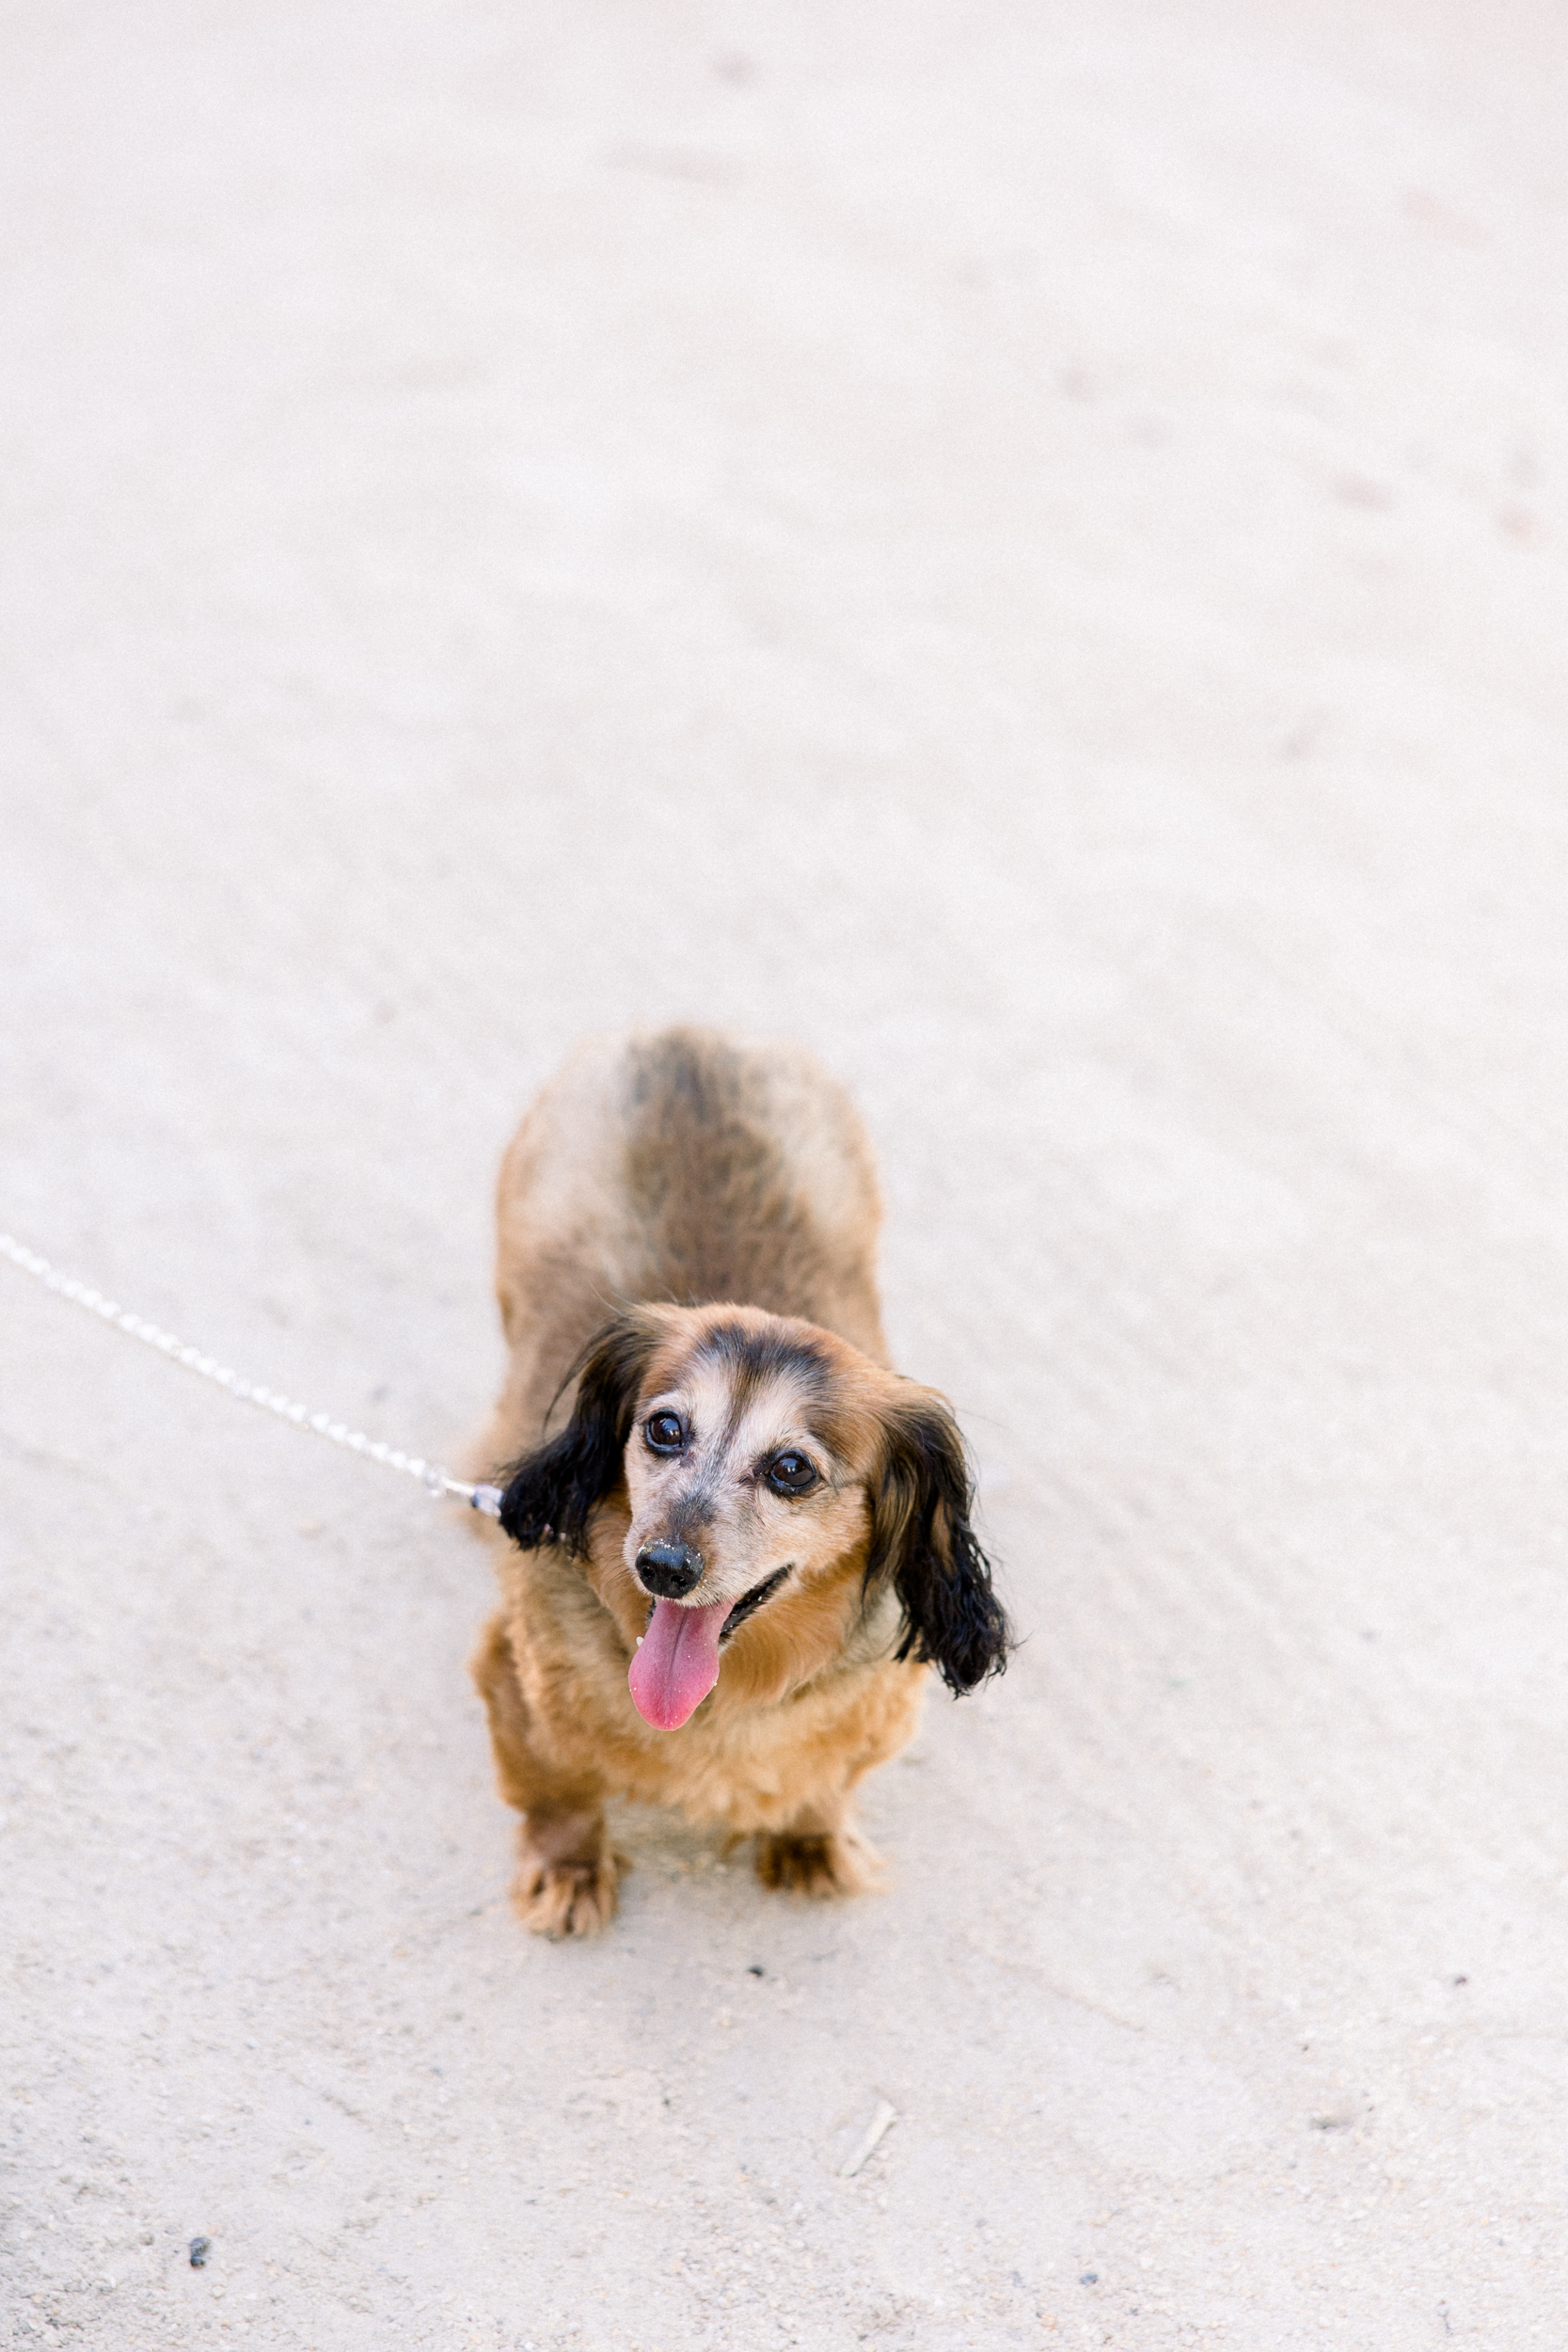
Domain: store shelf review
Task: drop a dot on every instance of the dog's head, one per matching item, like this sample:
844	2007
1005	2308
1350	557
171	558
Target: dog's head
768	1467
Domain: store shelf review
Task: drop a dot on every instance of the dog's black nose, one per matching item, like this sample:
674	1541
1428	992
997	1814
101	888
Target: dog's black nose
671	1570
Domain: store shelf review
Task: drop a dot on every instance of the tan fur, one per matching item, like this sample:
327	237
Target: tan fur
713	1185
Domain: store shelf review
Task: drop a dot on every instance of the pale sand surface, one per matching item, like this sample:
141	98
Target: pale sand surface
1026	548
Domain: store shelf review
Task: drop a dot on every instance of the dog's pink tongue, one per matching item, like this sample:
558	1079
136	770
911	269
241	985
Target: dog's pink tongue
677	1665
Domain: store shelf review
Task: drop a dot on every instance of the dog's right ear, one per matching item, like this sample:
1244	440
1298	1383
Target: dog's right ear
549	1495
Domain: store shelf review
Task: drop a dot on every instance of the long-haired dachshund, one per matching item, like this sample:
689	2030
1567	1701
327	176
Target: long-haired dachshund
732	1565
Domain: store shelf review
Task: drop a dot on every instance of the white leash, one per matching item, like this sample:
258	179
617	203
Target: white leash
432	1477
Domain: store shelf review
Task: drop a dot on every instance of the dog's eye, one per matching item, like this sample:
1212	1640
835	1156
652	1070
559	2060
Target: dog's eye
791	1475
664	1432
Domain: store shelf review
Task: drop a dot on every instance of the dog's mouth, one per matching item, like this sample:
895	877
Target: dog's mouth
677	1661
750	1602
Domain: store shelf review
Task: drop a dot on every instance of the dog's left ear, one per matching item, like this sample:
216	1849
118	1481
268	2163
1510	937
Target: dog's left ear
921	1536
550	1494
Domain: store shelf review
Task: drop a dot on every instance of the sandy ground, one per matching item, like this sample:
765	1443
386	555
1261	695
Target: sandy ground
1025	546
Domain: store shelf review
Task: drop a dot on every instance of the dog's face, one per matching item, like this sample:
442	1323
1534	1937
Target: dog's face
741	1478
766	1466
740	1464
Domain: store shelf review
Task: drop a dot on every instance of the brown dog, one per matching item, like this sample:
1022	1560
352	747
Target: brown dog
735	1560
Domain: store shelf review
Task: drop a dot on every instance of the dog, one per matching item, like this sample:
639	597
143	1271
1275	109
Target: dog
735	1562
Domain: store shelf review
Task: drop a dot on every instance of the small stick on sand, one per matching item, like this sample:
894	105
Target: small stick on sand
882	2121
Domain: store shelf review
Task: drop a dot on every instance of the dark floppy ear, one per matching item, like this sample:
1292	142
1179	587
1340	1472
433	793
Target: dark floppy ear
548	1495
921	1536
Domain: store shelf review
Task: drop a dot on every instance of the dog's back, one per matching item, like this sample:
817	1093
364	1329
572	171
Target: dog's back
685	1167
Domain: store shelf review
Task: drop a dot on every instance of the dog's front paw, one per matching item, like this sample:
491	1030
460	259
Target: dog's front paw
561	1899
837	1861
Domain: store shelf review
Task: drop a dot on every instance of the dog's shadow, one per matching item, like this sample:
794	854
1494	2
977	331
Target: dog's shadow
663	1849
